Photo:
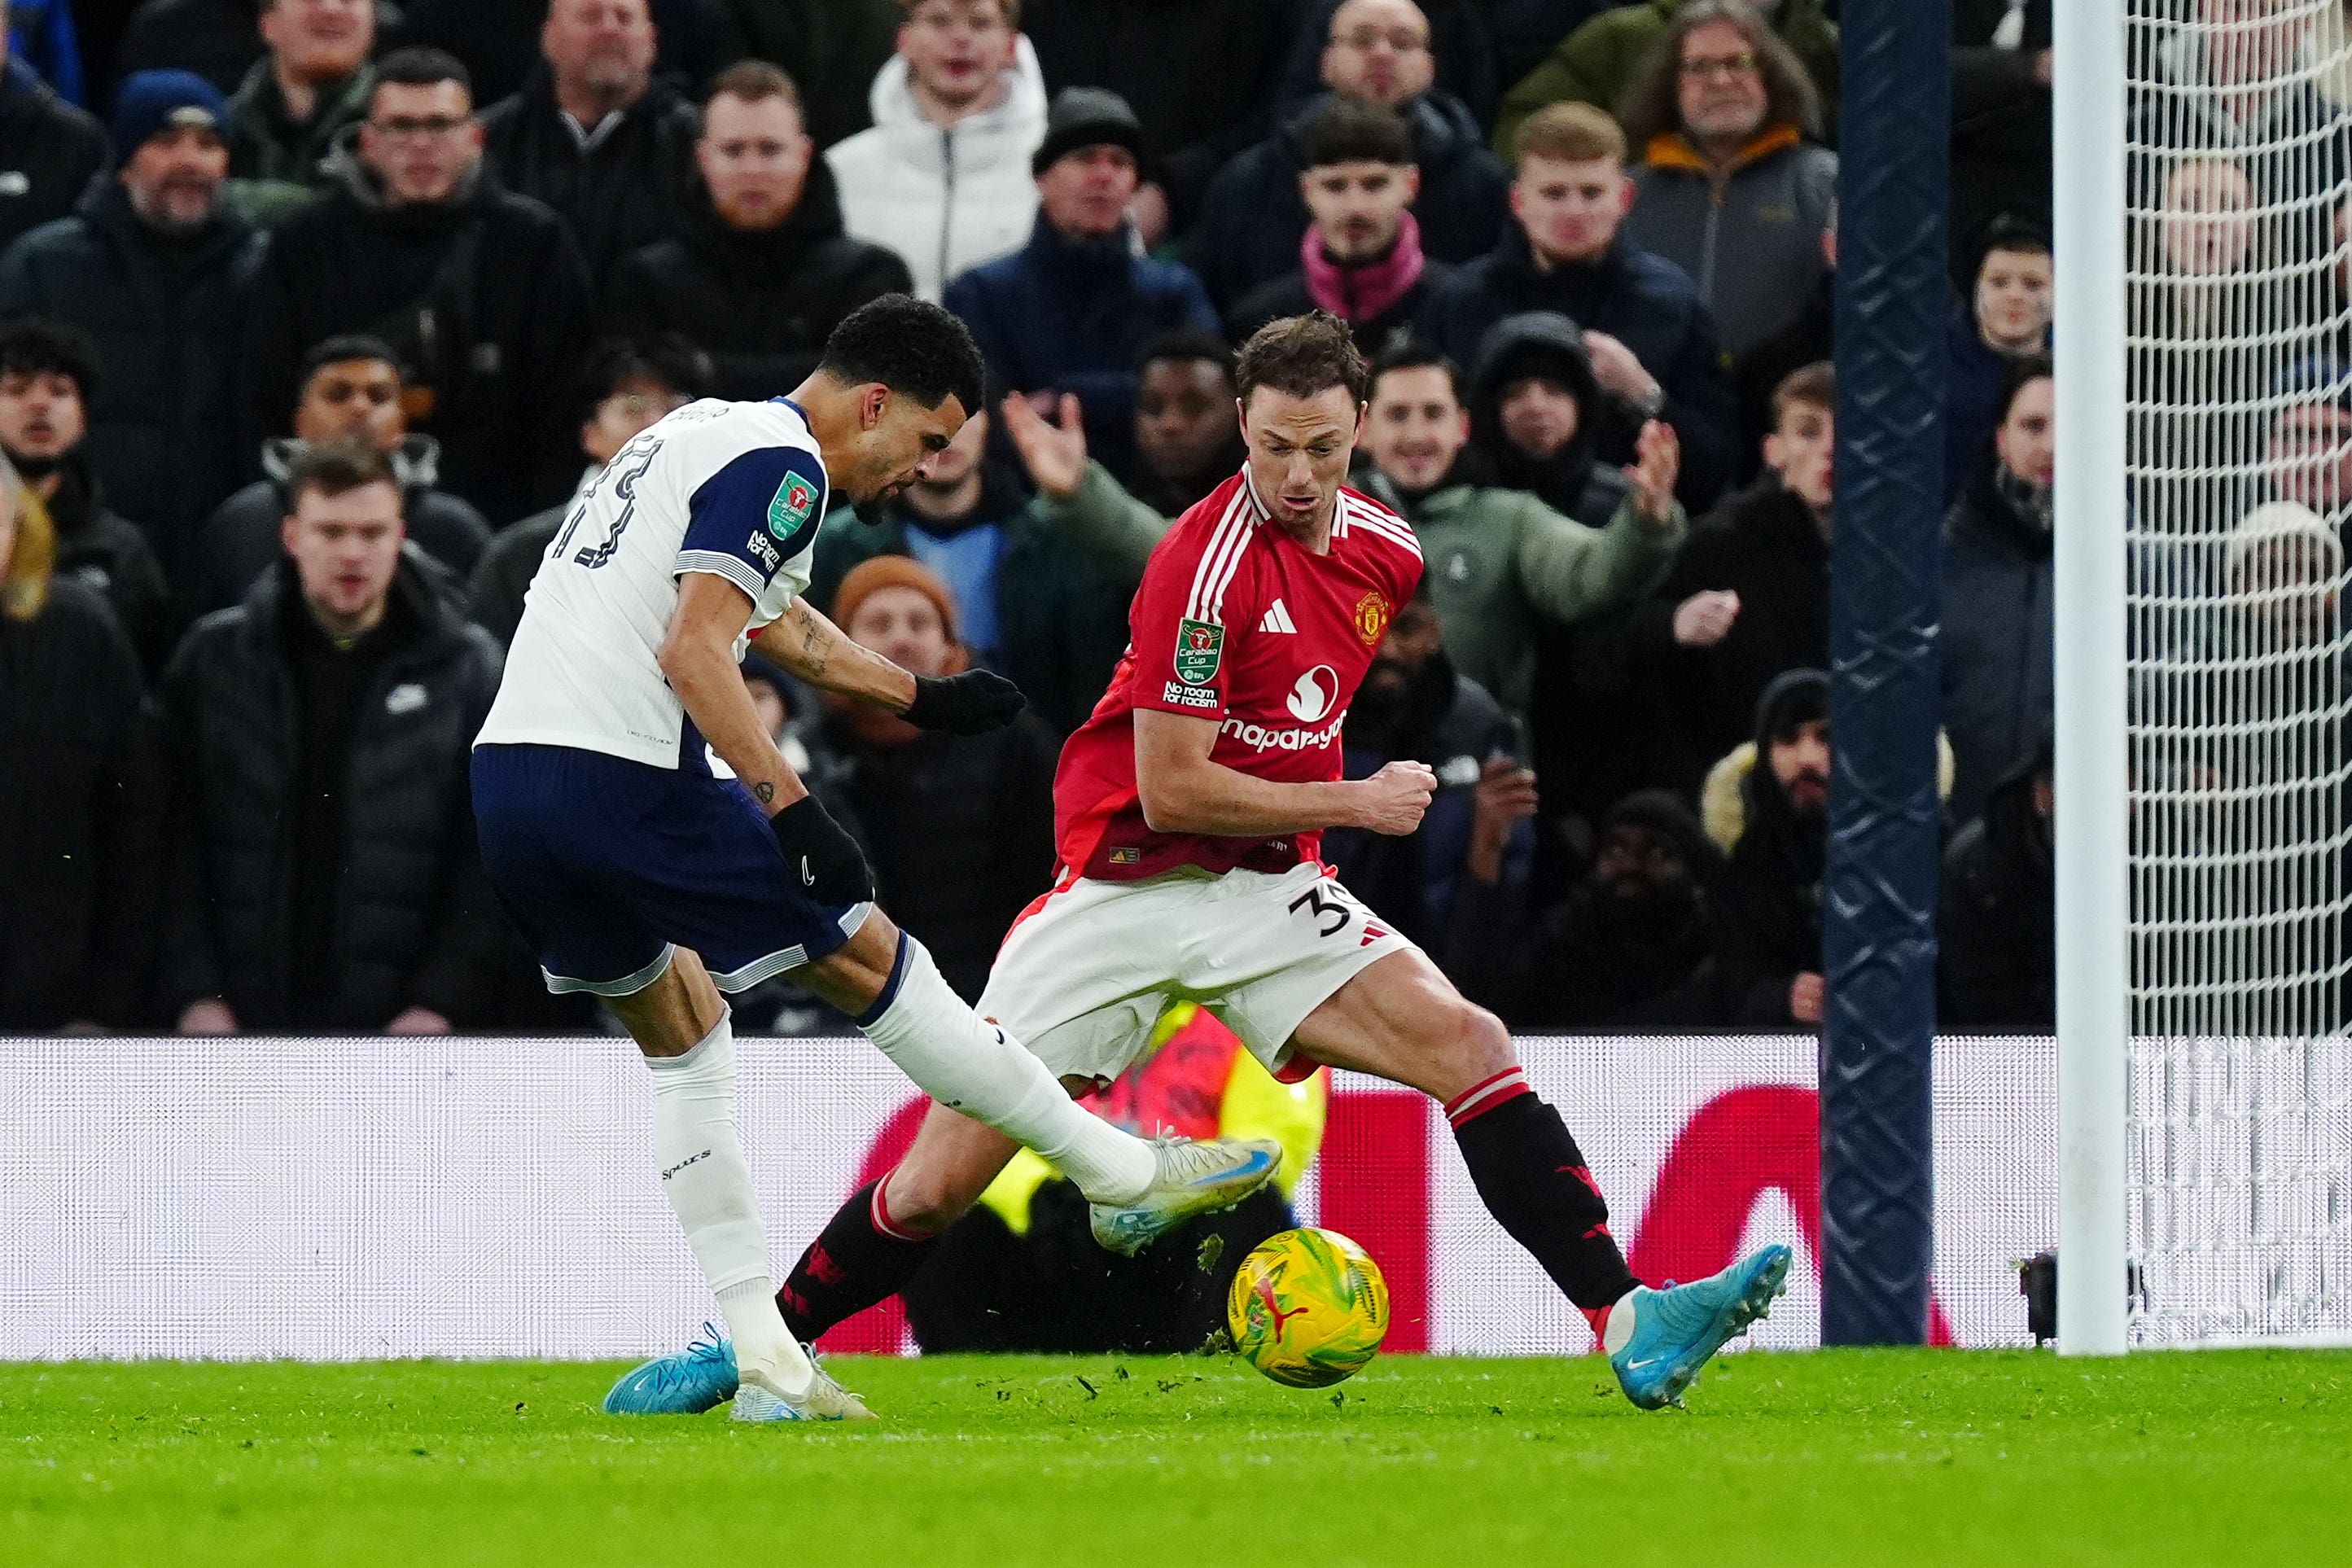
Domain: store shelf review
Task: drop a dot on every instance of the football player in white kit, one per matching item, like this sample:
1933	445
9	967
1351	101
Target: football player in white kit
655	848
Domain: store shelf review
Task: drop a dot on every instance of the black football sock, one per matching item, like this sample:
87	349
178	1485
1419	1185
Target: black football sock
1534	1182
857	1260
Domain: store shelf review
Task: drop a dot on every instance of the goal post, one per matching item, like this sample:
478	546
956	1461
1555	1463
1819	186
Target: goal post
2091	779
2203	688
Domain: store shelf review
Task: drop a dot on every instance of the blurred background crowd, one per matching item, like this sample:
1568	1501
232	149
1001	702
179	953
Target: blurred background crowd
315	313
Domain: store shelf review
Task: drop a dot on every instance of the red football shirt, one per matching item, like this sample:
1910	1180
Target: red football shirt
1238	622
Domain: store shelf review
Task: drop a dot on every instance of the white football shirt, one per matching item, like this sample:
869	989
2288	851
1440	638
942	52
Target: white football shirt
733	489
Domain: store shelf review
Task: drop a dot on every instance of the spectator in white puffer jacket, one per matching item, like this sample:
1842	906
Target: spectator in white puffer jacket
944	176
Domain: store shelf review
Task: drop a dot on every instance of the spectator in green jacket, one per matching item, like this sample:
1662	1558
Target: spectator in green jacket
1498	558
1597	62
311	86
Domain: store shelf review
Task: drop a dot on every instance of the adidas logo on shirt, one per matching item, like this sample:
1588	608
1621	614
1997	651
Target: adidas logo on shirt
1277	619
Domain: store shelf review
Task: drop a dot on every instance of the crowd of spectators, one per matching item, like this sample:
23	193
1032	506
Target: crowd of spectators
312	314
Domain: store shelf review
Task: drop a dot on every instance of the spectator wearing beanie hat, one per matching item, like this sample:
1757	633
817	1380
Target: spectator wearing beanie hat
147	268
1069	311
959	828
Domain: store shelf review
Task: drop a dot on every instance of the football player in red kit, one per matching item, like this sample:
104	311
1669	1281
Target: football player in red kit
1191	808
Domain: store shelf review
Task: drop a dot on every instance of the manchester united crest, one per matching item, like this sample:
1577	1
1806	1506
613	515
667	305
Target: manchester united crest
1371	618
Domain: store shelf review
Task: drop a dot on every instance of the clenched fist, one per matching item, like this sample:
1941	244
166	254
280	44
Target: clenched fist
1392	801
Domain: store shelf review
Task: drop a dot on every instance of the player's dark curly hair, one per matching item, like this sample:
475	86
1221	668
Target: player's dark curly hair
1302	355
911	346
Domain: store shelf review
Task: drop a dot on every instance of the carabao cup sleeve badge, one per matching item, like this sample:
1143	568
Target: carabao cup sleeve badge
795	498
1200	649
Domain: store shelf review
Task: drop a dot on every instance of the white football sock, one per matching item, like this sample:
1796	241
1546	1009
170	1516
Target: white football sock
1619	1333
710	1186
967	1064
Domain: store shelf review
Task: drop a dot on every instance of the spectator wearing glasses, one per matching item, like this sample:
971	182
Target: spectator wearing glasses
595	134
942	175
1597	62
762	272
352	390
1729	188
305	92
625	386
480	293
1378	53
81	813
1462	36
148	270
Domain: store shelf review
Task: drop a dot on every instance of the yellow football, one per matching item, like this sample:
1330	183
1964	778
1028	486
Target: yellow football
1308	1307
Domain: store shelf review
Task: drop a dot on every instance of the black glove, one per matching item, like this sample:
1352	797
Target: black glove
822	859
971	703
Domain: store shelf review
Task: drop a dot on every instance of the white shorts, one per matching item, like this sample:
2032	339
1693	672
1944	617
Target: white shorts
1084	976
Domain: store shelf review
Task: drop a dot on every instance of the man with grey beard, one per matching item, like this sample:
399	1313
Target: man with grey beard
145	269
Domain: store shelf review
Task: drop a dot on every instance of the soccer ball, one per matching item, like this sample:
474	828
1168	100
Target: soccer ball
1308	1307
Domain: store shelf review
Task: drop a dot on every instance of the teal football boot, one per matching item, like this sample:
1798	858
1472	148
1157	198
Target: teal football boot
699	1378
1678	1331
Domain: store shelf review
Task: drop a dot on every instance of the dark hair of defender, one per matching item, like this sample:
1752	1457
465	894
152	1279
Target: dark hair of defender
1346	132
35	346
1411	353
338	468
913	347
1302	355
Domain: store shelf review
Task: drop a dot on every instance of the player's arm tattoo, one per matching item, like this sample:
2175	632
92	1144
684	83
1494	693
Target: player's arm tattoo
814	649
766	792
798	641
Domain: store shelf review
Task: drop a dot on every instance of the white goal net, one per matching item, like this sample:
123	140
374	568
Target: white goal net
2239	309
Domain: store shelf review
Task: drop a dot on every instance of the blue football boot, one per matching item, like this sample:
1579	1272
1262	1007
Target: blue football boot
1678	1331
699	1378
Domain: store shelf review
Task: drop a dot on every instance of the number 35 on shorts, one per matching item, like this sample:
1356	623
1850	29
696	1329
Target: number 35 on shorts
1334	912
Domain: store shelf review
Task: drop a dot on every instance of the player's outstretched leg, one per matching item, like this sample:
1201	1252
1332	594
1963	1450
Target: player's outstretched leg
1403	1020
887	980
876	1242
709	1183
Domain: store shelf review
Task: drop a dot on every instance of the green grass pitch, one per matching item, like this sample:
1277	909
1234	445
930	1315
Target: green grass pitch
1882	1458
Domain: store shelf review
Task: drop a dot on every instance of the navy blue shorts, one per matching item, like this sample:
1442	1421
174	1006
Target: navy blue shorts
607	863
